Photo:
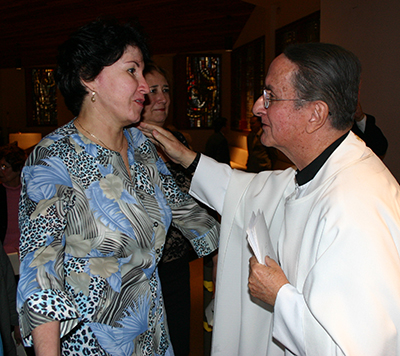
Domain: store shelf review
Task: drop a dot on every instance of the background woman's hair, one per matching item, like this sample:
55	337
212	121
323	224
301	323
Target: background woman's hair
153	67
14	156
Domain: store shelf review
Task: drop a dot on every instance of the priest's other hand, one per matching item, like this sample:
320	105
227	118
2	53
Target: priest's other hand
266	280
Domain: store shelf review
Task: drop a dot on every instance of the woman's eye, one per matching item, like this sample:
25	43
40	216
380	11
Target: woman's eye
153	90
131	70
166	90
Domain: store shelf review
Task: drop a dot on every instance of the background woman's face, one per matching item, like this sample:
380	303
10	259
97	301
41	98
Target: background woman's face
158	100
7	175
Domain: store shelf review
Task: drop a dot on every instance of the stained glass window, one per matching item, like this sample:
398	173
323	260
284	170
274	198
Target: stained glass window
247	82
197	90
41	97
301	31
203	90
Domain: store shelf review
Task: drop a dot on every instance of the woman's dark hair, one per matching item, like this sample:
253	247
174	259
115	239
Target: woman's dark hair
329	73
84	55
152	67
14	156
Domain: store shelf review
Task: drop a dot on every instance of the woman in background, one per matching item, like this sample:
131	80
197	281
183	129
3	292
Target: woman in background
8	312
174	266
12	159
96	204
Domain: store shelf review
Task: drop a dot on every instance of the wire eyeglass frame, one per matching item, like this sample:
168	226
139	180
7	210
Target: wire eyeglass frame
267	99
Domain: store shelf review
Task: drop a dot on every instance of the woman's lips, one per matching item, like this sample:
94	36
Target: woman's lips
140	102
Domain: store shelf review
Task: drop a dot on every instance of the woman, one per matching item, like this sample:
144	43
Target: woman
96	203
12	159
8	312
174	266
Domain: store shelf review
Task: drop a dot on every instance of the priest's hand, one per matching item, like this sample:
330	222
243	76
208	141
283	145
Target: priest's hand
172	147
265	281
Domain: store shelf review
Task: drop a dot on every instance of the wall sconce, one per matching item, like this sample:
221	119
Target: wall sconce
25	140
18	64
228	43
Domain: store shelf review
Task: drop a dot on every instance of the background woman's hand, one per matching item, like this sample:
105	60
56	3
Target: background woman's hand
265	281
172	147
17	335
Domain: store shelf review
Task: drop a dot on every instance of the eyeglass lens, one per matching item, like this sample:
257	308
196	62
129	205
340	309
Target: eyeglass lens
266	98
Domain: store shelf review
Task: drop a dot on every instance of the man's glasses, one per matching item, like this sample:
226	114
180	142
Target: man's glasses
268	99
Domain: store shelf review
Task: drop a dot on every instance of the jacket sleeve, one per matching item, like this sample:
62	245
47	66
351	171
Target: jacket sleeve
210	182
348	304
9	285
201	229
372	135
46	197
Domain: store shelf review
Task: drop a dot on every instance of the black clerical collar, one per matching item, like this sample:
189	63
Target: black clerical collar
309	172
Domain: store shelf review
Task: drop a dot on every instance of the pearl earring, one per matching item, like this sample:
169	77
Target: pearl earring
93	98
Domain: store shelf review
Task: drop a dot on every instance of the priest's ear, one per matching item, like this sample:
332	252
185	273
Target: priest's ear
319	116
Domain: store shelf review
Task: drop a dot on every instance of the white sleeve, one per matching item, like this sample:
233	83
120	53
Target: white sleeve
288	319
210	182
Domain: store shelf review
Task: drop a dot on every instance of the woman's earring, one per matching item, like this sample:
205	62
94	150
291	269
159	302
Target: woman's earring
93	98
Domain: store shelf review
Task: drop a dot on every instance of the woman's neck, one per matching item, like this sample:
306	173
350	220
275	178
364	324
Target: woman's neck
15	183
101	132
163	156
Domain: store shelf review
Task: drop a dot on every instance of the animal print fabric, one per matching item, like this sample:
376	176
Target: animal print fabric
91	238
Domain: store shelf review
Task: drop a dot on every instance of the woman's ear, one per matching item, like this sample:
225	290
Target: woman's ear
90	86
319	116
